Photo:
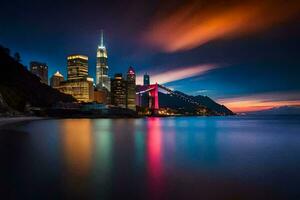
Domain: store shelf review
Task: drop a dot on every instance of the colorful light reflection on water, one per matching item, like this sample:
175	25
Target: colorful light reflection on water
154	154
153	158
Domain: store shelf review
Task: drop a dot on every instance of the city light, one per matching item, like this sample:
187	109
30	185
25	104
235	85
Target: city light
77	56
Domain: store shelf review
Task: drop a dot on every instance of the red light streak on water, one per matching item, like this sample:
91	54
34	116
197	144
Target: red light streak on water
155	161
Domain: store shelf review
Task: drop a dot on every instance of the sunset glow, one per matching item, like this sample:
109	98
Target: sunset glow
193	25
261	101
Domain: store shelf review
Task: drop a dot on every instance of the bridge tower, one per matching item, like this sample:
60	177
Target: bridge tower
154	97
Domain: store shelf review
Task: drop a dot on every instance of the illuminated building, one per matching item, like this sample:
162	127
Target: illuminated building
40	70
145	97
80	89
102	78
79	85
130	98
146	79
118	91
77	67
101	96
56	79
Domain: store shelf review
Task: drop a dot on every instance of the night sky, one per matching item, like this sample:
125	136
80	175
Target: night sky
244	54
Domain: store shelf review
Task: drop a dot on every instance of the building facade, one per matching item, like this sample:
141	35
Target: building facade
77	67
118	91
56	79
101	96
146	79
78	84
40	70
131	93
102	78
81	89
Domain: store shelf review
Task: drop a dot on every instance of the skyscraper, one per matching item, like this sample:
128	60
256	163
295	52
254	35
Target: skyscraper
79	85
56	79
40	70
130	95
118	91
102	78
145	97
146	79
77	67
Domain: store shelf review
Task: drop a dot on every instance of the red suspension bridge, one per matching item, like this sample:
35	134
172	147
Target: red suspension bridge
153	100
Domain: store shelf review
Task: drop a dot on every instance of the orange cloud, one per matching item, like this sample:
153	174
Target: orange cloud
178	73
261	101
193	24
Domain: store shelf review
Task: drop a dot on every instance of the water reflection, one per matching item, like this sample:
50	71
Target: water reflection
77	153
102	157
170	138
210	144
139	143
153	158
154	151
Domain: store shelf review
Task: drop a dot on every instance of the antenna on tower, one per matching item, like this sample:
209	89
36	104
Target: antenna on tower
102	44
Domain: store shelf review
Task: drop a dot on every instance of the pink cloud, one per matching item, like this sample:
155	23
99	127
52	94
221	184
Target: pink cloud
178	73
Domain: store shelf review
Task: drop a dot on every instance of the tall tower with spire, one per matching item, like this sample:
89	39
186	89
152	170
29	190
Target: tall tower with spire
102	78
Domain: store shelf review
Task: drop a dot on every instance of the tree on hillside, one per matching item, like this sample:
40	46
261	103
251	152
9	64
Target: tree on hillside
17	57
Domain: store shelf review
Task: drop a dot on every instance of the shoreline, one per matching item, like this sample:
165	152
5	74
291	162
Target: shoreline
12	120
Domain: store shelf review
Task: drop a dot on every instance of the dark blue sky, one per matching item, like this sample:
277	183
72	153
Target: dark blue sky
262	61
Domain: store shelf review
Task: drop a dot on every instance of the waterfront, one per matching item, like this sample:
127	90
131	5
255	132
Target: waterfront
152	158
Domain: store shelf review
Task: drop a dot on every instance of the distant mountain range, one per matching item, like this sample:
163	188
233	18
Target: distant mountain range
283	110
19	87
167	100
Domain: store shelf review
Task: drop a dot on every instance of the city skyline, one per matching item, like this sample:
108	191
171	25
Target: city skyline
150	99
249	70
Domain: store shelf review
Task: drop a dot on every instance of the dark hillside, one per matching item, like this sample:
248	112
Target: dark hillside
209	103
166	100
18	87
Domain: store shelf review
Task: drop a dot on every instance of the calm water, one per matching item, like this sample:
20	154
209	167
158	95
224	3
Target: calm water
153	158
